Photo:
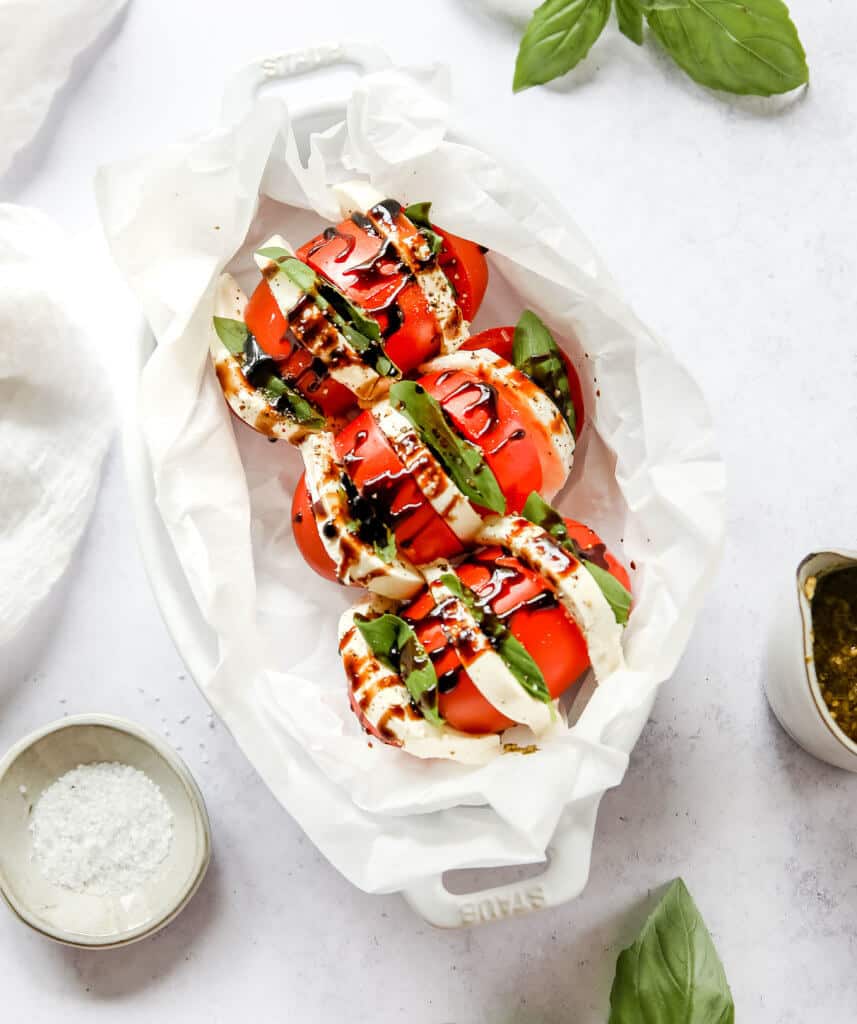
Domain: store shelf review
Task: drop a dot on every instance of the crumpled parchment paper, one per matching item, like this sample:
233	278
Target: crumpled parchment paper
647	475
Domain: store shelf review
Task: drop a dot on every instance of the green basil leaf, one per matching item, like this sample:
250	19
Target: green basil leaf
292	402
233	333
516	657
418	214
463	461
629	14
536	354
558	37
299	274
396	645
672	973
386	550
617	596
538	511
276	253
749	47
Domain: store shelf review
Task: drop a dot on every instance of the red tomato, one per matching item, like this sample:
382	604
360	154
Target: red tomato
306	533
482	415
465	265
549	634
371	276
499	340
268	325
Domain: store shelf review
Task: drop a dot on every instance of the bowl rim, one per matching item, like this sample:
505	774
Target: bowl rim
836	558
171	757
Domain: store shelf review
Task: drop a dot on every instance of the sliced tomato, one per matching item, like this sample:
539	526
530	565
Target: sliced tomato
483	416
421	534
465	266
268	325
369	273
306	533
517	595
500	340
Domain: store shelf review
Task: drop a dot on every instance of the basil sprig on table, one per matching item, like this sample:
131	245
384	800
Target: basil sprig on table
536	354
361	331
672	973
257	366
462	460
748	47
418	214
396	645
517	658
538	511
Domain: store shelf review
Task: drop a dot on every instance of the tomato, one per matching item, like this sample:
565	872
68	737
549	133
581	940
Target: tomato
306	533
549	634
369	273
483	416
465	265
268	325
500	339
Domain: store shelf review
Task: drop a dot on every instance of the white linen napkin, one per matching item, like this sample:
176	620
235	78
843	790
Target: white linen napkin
39	41
55	407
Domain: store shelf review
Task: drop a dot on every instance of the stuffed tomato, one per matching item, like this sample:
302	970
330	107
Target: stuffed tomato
491	642
331	325
423	469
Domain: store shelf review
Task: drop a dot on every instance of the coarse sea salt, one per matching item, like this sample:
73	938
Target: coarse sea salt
101	828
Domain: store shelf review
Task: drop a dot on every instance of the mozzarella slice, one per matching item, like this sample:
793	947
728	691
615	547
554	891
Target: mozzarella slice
246	401
578	592
430	476
383	704
490	674
556	448
314	331
356	561
415	252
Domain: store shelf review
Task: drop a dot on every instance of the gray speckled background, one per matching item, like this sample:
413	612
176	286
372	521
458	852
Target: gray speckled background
732	232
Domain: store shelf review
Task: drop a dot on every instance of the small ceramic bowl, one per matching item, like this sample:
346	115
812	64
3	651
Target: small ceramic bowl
86	919
791	681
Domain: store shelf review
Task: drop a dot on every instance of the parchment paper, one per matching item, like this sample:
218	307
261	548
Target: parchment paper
646	476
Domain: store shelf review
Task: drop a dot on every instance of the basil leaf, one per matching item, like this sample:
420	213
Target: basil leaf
418	214
672	973
517	658
538	511
536	354
386	550
299	274
233	333
617	596
290	401
558	37
276	253
749	47
396	645
462	460
630	17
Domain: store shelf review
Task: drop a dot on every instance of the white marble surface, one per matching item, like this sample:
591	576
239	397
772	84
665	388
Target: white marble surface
732	229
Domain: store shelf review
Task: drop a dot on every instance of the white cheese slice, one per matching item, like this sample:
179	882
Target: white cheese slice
577	590
490	674
361	197
383	701
247	402
556	441
356	561
439	490
329	345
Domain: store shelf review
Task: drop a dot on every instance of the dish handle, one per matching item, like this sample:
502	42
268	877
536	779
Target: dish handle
244	85
563	879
